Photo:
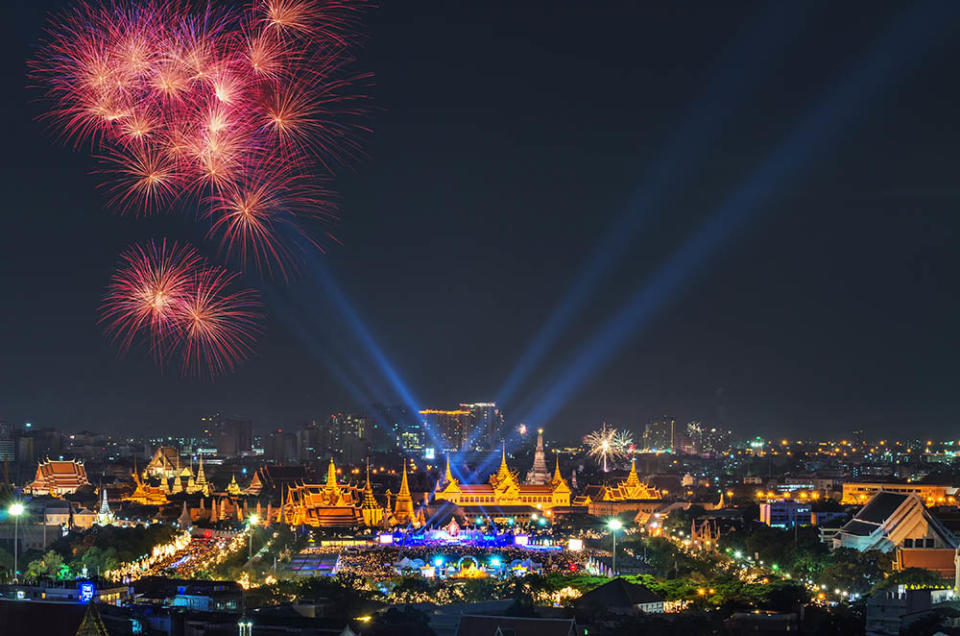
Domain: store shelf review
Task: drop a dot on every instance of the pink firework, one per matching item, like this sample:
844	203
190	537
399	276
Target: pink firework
192	107
145	296
219	326
180	305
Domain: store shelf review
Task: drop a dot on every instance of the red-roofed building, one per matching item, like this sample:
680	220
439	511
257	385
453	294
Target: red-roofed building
58	478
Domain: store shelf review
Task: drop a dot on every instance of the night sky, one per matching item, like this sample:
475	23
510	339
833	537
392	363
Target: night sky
510	140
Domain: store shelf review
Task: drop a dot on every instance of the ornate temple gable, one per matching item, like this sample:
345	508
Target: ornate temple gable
164	464
145	494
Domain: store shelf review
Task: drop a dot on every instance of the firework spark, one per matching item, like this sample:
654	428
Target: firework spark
193	107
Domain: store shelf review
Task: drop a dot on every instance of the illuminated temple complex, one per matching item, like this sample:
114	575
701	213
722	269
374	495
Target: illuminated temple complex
58	478
504	490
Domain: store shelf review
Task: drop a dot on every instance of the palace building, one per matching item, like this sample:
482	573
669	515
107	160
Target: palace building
631	489
504	489
58	478
326	505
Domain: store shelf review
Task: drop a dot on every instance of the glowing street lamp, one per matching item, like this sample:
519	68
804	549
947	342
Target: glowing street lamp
614	525
16	509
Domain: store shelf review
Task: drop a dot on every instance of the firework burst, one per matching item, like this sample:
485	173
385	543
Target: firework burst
603	446
192	106
169	297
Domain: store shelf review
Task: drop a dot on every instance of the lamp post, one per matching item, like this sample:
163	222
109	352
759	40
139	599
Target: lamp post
16	509
254	520
614	525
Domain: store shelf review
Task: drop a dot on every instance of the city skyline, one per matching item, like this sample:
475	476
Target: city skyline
447	280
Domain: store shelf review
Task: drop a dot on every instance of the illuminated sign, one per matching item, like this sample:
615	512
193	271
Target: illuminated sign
521	539
86	592
575	545
429	453
386	539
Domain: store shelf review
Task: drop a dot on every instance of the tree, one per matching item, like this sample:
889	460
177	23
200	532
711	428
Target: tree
910	576
47	566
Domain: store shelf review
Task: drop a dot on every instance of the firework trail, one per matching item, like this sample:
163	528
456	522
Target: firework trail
198	107
181	306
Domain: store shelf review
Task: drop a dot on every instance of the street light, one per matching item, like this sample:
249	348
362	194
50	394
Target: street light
614	525
16	509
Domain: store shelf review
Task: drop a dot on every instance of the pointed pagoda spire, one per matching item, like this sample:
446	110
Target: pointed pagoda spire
632	478
233	487
557	477
368	486
404	486
448	475
184	520
403	510
331	475
201	478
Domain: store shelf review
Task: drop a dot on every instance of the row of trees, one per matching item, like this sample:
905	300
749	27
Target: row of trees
92	552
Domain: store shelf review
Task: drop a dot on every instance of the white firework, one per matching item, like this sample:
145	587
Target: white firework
623	440
603	445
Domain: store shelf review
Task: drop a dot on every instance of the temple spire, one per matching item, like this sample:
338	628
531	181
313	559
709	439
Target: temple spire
556	471
404	486
331	475
448	475
539	475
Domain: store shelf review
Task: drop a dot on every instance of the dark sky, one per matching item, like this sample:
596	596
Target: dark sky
509	140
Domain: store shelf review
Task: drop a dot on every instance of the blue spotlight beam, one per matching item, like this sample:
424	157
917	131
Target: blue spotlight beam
918	29
744	65
370	346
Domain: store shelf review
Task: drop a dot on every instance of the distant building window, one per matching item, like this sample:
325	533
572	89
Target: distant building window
908	543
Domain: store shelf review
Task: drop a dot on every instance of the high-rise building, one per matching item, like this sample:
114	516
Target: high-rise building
397	426
661	434
234	437
448	428
281	446
484	425
347	436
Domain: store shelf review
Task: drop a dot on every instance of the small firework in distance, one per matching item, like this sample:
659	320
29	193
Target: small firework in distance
602	446
169	297
190	104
